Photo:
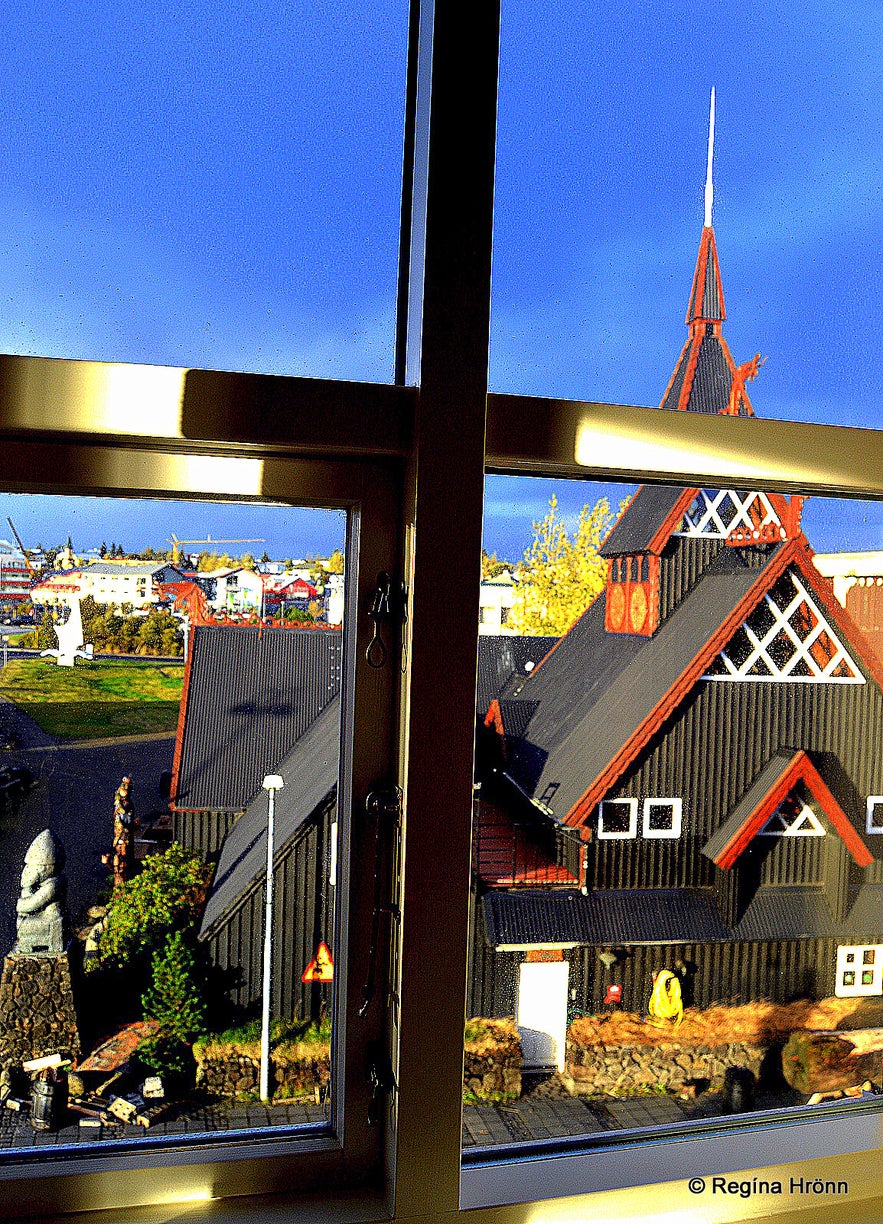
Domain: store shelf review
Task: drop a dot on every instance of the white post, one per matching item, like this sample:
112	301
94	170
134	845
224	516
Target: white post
272	783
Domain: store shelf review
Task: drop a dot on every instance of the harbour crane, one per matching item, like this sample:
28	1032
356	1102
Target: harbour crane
176	544
24	551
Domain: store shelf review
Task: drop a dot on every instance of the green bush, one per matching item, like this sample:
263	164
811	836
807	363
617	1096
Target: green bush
175	1000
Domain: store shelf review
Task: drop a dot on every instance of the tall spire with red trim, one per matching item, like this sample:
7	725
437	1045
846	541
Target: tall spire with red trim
703	378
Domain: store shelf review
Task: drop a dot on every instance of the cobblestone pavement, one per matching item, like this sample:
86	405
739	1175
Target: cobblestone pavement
195	1118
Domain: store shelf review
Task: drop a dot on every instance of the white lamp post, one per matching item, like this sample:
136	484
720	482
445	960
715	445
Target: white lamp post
5	648
271	784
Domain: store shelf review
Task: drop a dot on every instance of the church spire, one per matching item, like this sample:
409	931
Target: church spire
707	295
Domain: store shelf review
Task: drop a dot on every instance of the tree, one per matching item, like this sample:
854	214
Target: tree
491	567
166	897
176	1000
560	576
335	563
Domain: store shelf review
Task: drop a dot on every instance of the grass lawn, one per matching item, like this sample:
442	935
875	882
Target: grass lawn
95	700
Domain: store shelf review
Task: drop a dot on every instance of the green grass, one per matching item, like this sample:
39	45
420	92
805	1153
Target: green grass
281	1031
95	700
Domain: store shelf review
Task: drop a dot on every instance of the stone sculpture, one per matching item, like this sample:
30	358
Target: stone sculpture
41	906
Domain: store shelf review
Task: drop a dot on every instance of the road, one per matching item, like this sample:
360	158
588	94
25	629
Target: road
73	796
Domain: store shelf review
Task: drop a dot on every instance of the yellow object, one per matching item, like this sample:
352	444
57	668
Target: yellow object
665	998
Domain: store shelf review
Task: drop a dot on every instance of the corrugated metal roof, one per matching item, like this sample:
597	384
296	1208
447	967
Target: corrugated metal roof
706	294
785	911
672	396
745	808
252	693
603	917
309	772
641	520
502	656
596	689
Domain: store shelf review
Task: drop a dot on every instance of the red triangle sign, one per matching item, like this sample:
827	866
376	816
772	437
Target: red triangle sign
321	967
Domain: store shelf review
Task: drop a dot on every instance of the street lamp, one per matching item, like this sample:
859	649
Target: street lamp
271	784
5	648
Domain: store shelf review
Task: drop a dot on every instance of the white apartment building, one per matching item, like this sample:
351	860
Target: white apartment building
129	582
495	603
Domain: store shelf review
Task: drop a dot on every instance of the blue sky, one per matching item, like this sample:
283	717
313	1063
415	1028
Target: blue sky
217	185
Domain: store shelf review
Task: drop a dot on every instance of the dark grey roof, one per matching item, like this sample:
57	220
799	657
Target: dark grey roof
251	694
786	911
309	771
606	916
767	778
641	520
712	381
673	394
597	688
500	657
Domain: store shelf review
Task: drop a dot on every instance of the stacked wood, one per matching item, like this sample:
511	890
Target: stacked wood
833	1060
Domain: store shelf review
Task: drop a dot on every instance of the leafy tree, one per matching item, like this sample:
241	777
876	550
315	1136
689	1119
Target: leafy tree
491	567
166	897
561	576
335	563
175	999
247	561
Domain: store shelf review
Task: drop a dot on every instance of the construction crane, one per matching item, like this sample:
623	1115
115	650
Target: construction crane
176	544
24	551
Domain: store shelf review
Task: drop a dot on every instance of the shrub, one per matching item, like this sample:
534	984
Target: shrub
175	1000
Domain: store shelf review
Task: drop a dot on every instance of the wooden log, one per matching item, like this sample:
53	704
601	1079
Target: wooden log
828	1061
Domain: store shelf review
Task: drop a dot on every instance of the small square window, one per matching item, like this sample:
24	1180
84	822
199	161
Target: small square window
662	817
875	814
850	958
617	818
868	977
849	978
868	956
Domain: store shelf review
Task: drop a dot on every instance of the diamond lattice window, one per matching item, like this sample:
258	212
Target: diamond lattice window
719	512
786	637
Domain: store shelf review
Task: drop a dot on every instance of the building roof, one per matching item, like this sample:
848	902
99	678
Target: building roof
638	527
785	770
127	569
706	295
249	695
535	917
309	773
502	656
597	689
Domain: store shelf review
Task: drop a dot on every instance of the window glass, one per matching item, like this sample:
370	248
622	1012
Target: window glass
171	679
213	185
676	878
600	209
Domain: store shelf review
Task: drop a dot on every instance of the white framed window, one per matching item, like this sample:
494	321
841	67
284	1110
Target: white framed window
662	817
859	971
617	819
874	822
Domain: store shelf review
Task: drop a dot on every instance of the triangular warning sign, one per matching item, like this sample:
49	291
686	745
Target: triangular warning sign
321	967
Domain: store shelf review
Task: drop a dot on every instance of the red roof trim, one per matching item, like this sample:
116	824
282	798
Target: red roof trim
793	552
690	372
800	769
671	520
642	734
182	718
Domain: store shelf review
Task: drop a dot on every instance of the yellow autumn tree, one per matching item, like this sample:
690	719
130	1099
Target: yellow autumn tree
561	575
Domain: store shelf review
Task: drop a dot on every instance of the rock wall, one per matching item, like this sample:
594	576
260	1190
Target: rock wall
618	1070
37	1014
492	1063
237	1072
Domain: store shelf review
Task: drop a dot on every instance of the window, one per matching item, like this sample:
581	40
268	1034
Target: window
875	814
860	971
662	817
617	818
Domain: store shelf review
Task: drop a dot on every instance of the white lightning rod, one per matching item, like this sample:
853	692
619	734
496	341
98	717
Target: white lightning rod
709	186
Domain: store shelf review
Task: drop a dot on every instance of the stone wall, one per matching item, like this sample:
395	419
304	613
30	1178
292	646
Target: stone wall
492	1065
235	1071
618	1070
37	1014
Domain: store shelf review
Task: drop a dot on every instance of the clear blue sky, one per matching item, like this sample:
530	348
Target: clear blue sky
217	185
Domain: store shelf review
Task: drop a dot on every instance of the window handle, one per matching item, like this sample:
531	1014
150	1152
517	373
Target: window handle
386	808
389	603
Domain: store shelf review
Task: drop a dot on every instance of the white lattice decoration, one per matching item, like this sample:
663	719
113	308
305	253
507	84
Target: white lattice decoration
793	819
719	512
786	638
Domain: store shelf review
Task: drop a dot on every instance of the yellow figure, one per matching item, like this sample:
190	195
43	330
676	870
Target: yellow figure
665	998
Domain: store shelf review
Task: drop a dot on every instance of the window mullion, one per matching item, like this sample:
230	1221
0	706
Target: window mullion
448	325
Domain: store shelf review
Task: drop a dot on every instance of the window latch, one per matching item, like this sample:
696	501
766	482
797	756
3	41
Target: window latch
380	1077
390	604
386	808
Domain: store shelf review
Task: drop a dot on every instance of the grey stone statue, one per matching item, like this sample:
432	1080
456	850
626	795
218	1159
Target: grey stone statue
41	906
